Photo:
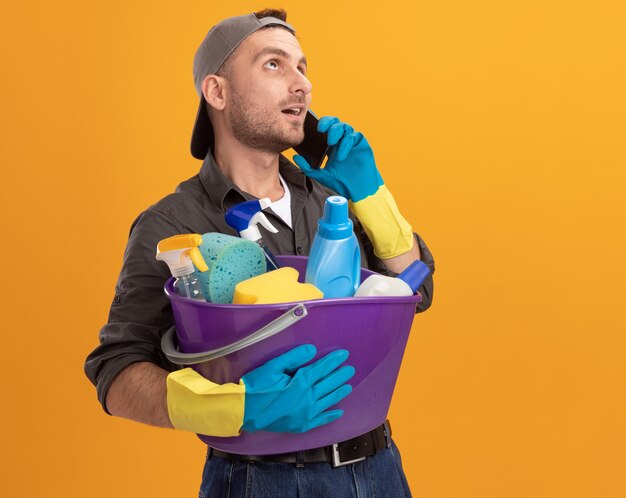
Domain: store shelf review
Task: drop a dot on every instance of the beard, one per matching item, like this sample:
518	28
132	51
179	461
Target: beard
258	127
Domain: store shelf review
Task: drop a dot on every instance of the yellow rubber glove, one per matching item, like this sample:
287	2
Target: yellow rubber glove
390	233
282	395
198	405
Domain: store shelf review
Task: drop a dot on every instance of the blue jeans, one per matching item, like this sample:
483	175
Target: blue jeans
379	476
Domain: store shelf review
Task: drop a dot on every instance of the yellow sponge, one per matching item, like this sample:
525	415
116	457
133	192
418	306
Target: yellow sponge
278	286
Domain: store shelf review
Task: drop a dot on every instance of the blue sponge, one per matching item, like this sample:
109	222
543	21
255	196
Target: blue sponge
230	260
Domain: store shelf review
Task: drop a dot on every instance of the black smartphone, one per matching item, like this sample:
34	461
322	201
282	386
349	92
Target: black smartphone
314	147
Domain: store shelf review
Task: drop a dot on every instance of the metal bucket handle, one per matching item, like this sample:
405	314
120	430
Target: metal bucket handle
285	320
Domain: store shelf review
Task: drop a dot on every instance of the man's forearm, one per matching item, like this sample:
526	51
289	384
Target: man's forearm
402	261
139	393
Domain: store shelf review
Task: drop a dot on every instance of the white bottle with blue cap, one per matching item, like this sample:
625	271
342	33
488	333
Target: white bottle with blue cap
405	284
334	264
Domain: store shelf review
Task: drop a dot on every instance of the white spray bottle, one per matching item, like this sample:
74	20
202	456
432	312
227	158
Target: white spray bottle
245	216
180	252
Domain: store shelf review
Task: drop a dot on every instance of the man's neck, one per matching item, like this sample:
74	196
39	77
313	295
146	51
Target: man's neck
253	171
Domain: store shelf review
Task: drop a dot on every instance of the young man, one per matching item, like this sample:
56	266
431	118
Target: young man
250	75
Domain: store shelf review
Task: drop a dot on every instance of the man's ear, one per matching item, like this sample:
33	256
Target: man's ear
214	89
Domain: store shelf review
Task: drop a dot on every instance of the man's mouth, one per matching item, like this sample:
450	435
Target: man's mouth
294	111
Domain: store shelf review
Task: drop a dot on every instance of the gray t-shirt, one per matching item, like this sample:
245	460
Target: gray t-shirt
140	312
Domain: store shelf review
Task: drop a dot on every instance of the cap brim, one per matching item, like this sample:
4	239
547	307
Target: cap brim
202	136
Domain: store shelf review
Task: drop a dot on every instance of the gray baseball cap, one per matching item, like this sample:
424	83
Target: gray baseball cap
221	41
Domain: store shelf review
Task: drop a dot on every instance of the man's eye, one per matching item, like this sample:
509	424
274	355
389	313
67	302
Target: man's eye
271	65
302	70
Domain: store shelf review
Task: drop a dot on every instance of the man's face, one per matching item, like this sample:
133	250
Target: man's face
270	93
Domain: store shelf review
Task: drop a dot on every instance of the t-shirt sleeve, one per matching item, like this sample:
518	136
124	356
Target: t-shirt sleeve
140	312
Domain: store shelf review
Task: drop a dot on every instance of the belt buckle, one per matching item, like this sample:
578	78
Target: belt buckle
337	459
387	432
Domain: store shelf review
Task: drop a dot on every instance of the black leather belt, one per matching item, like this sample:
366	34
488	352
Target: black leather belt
344	453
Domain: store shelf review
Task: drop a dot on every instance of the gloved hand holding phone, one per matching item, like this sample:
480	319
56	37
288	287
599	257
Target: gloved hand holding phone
280	396
351	172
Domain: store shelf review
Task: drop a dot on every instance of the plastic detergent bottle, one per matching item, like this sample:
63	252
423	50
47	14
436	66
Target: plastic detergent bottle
244	218
334	264
405	284
180	252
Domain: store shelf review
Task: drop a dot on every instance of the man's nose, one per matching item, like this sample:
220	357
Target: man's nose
301	83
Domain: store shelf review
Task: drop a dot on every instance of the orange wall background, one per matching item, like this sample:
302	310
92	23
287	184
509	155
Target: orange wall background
500	128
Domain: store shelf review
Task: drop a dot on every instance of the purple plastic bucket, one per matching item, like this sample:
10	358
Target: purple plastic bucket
374	330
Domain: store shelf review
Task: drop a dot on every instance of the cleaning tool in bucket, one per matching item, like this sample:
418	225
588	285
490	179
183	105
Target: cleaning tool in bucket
223	342
280	286
283	395
405	284
230	260
335	258
244	218
180	252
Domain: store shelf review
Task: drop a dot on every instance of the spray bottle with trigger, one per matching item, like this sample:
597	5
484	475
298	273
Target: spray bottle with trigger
181	252
244	218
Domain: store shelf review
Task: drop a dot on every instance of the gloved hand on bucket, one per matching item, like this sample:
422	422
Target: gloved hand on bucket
351	172
279	402
279	396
